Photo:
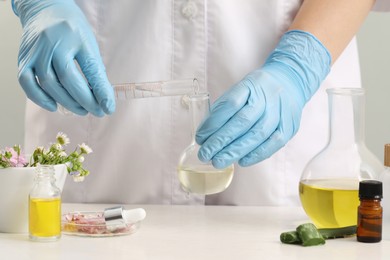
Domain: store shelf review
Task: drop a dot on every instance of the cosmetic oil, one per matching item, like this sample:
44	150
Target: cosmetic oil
330	203
45	206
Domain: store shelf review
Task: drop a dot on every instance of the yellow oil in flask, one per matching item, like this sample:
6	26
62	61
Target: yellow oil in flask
330	203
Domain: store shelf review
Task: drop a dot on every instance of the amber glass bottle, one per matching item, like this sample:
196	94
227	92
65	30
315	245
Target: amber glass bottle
369	229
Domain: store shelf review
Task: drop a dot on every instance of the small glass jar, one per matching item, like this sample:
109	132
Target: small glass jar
45	206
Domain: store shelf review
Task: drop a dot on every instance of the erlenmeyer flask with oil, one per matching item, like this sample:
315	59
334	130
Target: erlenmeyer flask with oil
196	176
329	184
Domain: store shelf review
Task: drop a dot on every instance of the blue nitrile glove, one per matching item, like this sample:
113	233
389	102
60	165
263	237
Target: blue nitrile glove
55	35
261	113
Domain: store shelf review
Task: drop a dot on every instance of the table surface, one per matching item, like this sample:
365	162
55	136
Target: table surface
195	232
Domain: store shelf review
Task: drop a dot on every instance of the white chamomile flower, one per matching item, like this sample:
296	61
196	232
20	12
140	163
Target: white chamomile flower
85	148
62	138
62	154
81	159
56	147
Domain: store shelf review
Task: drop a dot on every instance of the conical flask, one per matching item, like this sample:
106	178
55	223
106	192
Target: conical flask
329	184
196	176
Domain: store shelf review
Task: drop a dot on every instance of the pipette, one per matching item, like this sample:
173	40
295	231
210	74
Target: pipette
126	91
119	216
156	89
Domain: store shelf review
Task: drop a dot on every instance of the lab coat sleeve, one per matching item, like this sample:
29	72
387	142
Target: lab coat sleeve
382	6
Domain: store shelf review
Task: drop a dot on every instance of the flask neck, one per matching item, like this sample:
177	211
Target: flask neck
346	116
199	105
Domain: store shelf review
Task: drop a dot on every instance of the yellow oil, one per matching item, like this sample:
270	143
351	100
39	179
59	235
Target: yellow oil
205	179
330	203
45	218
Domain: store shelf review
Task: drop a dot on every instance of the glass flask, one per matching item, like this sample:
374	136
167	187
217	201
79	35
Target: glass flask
385	178
45	206
329	184
196	176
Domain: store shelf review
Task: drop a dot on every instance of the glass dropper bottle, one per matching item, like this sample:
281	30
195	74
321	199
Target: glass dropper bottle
369	226
196	176
45	206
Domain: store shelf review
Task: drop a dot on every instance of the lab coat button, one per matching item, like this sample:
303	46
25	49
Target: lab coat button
189	10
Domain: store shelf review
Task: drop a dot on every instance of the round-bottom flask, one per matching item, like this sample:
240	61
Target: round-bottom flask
194	175
329	184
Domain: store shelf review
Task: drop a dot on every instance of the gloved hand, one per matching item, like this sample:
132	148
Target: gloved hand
261	113
55	35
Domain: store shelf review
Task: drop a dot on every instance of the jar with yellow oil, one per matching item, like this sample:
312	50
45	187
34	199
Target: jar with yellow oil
329	184
45	206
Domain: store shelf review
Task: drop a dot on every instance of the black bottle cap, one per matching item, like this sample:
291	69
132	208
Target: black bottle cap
370	189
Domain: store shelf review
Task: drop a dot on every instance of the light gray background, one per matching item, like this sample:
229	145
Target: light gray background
374	46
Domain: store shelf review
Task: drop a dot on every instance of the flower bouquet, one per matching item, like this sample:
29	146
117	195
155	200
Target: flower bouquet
17	173
54	155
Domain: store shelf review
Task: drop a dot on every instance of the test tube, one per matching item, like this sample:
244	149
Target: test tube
127	91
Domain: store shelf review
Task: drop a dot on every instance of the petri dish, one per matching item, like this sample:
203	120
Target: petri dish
92	224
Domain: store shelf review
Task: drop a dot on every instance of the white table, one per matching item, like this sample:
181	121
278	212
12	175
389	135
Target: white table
195	232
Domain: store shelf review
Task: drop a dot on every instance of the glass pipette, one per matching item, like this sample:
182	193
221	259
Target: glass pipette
156	89
126	91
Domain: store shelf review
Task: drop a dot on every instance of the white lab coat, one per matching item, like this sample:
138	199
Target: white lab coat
136	149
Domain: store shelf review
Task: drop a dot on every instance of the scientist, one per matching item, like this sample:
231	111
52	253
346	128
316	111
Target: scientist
266	63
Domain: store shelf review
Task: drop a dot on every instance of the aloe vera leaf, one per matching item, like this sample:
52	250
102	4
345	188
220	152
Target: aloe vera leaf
329	233
309	235
290	237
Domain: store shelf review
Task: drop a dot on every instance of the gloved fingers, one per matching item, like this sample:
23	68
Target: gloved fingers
237	126
62	31
34	92
222	110
49	82
287	126
276	141
94	71
74	83
244	145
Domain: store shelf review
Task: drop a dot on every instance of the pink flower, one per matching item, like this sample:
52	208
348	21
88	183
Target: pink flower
16	160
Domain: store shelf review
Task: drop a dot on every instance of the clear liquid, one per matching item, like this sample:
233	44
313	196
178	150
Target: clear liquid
205	179
45	219
330	203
